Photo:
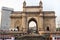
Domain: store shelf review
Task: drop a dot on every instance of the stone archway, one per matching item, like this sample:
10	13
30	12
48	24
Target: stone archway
33	29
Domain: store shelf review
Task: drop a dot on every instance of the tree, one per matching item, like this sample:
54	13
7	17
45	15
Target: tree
57	29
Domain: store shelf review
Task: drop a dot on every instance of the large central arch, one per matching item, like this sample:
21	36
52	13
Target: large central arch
33	19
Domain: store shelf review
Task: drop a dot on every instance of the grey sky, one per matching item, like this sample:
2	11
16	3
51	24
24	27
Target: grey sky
49	5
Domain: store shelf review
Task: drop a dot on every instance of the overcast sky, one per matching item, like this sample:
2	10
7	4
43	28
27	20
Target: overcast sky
50	5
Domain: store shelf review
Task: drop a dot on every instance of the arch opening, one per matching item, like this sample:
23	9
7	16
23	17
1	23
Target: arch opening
32	26
47	28
17	28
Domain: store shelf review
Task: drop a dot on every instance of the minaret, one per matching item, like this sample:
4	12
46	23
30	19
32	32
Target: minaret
24	4
41	15
40	3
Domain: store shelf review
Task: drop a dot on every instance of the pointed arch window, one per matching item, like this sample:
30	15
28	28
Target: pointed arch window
17	28
47	28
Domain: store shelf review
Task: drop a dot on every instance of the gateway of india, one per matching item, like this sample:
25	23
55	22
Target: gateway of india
45	22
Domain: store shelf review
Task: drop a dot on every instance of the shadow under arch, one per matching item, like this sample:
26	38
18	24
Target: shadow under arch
33	19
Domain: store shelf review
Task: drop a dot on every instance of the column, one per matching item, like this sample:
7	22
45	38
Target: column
24	22
40	22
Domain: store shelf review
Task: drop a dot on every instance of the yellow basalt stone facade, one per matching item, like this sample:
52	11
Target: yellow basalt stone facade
45	20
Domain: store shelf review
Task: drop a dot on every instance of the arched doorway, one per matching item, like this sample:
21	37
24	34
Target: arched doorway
17	28
32	26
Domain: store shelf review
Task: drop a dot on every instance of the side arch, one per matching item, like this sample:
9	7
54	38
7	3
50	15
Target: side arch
17	25
47	27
